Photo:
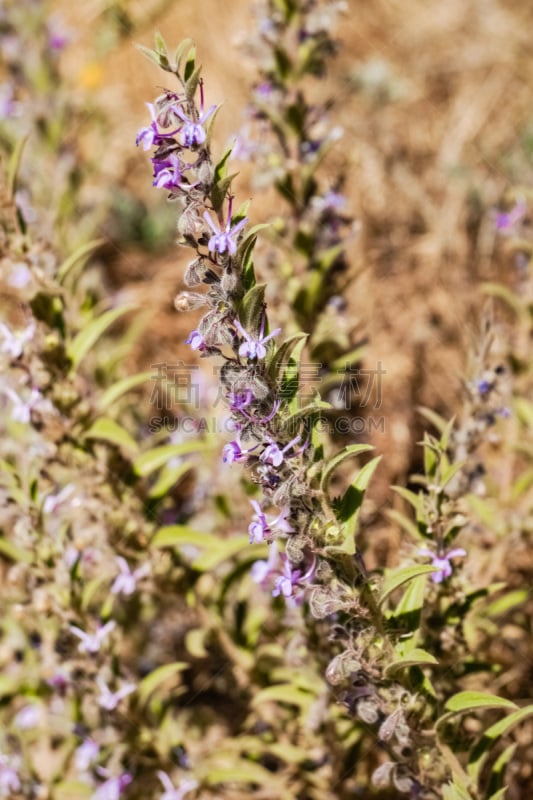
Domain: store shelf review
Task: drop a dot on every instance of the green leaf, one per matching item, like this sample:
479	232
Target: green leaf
211	558
184	46
157	457
470	701
505	294
178	535
240	771
14	165
455	791
89	335
150	54
500	794
14	553
412	600
283	353
505	725
78	257
284	693
168	477
435	419
348	507
252	307
112	394
154	680
404	522
66	790
110	431
416	657
398	577
349	452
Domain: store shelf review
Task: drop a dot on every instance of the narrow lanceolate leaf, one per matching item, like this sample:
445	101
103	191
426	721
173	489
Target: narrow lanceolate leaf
119	388
89	335
14	165
283	353
179	535
78	258
455	791
400	576
333	463
416	657
505	725
157	457
471	701
284	693
108	430
158	677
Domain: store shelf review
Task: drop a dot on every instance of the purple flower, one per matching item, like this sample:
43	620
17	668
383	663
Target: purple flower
260	528
85	755
233	452
53	501
193	132
442	562
238	401
507	220
20	275
9	779
110	700
171	793
254	347
91	642
151	135
196	341
14	343
291	580
112	788
224	240
168	173
126	580
273	455
262	570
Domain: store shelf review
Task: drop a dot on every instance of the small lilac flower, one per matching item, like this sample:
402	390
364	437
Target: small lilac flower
442	563
224	240
238	401
21	411
91	642
85	755
20	275
193	132
59	682
151	135
171	793
112	788
260	528
168	173
254	348
14	343
262	570
27	718
9	779
110	700
291	580
196	341
53	501
126	580
232	451
484	387
273	455
507	220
